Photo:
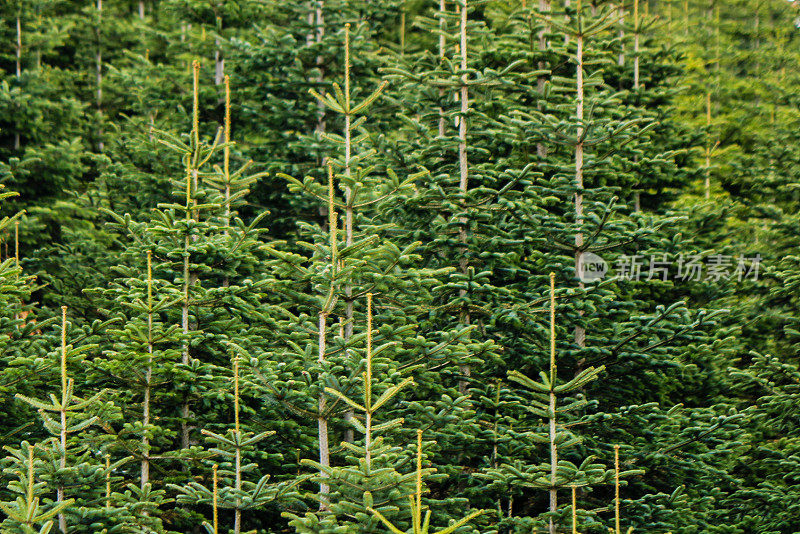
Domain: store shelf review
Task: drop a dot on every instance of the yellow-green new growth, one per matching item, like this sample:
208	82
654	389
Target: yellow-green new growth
418	524
340	100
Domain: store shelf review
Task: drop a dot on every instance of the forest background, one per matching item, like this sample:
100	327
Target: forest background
329	266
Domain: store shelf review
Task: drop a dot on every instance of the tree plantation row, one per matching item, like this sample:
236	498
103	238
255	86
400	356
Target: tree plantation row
411	266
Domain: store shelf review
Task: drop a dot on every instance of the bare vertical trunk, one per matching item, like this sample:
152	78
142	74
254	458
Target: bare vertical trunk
757	26
150	116
19	71
368	391
19	47
686	21
310	20
771	157
99	73
637	194
237	515
544	5
185	353
463	169
717	32
621	11
185	356
707	188
226	161
219	63
319	21
496	425
669	17
145	477
322	420
757	31
348	193
442	50
188	277
495	449
580	332
636	45
39	48
322	416
16	257
348	223
616	489
219	60
316	32
552	408
226	164
348	329
464	98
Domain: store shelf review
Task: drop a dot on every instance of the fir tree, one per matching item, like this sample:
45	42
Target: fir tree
28	514
65	418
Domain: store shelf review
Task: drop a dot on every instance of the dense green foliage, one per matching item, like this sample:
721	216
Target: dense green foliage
325	266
